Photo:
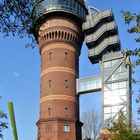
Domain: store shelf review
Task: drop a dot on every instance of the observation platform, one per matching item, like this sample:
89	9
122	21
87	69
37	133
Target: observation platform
75	7
101	34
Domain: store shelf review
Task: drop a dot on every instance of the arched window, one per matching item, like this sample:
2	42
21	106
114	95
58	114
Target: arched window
50	55
49	111
50	83
66	56
66	83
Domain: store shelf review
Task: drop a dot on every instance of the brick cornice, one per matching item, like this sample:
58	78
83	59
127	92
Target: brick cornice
58	97
56	69
60	34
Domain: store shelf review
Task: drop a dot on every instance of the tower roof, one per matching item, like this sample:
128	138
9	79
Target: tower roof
70	8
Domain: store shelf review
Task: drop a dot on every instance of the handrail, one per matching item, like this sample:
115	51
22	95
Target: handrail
100	15
93	8
105	43
104	28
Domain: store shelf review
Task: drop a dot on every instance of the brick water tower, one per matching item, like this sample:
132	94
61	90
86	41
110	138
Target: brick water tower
58	28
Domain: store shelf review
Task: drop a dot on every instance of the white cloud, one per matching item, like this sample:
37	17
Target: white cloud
16	74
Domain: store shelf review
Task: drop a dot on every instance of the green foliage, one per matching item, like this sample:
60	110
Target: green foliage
136	53
120	130
3	124
16	18
128	17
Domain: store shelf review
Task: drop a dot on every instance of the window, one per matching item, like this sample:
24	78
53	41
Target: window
49	111
107	64
50	83
66	83
122	84
66	55
50	55
66	128
48	128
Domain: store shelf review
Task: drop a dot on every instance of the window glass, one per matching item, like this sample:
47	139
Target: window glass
122	84
114	62
122	92
115	85
74	5
105	88
107	110
66	128
122	75
123	98
109	86
121	107
107	94
122	68
116	118
107	64
124	109
114	77
107	116
115	109
113	115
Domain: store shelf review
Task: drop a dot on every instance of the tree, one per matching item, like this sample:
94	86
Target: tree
128	17
120	130
16	18
3	124
92	124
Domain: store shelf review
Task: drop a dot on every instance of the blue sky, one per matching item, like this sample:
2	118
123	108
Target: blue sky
20	73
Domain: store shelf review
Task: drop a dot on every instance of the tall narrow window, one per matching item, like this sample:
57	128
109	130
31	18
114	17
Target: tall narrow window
66	111
48	128
50	55
66	83
66	55
50	83
49	111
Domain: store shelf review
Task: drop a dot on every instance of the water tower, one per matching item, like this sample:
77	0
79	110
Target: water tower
58	28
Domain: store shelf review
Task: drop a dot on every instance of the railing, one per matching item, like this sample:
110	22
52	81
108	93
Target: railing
95	18
103	45
104	28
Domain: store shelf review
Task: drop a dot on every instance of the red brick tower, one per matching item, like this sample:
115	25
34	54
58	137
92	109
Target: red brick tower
60	38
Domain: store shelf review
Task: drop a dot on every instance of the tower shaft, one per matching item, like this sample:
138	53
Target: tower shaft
60	42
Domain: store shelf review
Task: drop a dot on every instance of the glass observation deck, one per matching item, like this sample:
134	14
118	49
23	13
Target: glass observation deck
89	84
74	7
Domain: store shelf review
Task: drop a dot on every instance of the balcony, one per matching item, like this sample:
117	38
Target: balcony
70	6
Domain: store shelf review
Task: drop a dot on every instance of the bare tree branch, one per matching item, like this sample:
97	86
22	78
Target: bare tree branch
92	124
